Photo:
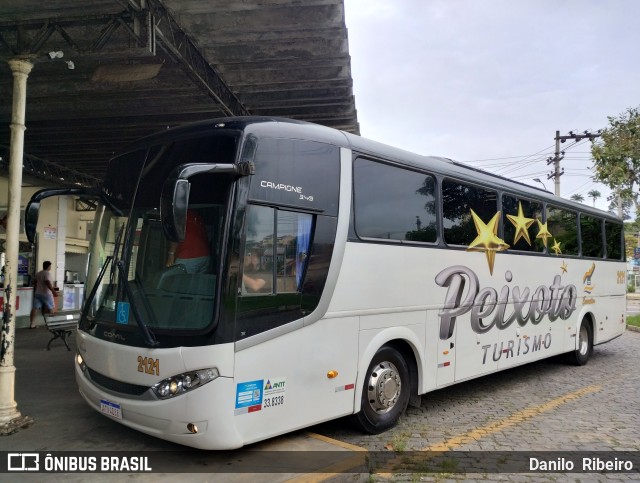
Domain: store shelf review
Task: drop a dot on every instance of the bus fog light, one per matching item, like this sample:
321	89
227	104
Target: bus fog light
176	385
192	428
80	362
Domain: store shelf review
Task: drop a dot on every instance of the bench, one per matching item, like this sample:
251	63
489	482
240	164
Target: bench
62	325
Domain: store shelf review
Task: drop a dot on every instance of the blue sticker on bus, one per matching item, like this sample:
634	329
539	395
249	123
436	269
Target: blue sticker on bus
249	394
122	313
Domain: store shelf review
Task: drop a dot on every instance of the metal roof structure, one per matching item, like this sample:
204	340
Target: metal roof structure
107	72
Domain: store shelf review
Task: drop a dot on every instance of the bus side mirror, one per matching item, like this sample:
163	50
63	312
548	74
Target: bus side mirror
173	208
31	220
33	207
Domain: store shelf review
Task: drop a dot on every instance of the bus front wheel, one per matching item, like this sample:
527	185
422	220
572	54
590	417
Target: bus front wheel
582	353
385	394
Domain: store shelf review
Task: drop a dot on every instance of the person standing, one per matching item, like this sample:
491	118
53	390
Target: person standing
44	294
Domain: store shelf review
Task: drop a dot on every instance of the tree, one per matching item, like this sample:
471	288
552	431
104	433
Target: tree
595	194
616	155
625	207
577	197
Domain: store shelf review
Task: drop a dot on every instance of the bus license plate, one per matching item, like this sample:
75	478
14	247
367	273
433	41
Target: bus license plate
111	409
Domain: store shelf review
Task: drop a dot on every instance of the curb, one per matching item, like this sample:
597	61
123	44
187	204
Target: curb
633	328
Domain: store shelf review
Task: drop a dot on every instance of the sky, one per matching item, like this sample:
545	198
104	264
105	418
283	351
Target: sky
489	82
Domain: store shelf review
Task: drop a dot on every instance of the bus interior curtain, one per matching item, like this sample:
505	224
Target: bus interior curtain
302	246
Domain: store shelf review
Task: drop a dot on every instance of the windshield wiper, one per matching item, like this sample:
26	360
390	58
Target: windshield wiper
116	250
118	266
92	294
149	337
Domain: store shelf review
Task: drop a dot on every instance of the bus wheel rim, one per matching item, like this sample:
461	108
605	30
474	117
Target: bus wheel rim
584	340
384	387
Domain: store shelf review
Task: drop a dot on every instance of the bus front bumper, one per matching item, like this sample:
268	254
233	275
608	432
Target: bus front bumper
207	409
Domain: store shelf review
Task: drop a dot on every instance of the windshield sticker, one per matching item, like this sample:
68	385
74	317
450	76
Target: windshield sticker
249	397
274	392
123	313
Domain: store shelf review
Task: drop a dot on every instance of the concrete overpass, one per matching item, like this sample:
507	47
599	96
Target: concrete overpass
86	78
106	72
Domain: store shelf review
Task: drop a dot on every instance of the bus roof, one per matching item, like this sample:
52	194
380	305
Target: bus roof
283	127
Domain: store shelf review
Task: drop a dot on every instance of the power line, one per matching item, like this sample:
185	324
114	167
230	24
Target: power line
559	155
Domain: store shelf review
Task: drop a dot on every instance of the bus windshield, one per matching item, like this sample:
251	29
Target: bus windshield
140	279
165	293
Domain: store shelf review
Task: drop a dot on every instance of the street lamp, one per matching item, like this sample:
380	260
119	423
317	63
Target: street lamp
539	181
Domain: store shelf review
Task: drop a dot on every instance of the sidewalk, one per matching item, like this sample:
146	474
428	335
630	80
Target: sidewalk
46	391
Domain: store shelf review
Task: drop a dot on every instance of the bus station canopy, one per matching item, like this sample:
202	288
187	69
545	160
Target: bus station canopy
107	72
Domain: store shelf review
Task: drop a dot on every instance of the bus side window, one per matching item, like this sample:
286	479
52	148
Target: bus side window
563	226
274	263
615	240
293	235
275	251
458	199
257	276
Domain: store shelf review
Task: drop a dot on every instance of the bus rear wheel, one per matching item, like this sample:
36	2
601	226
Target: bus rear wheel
385	394
581	355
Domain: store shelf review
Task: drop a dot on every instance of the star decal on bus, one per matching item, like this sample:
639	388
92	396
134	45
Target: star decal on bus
564	267
556	247
487	240
543	232
522	224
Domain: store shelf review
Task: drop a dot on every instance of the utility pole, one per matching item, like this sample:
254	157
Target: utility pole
559	155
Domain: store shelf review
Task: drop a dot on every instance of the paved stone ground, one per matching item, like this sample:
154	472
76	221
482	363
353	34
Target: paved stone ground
544	406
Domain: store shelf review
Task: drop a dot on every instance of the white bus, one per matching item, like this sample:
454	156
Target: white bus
338	277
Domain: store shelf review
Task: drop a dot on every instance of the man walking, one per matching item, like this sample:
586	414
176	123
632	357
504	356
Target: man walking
44	293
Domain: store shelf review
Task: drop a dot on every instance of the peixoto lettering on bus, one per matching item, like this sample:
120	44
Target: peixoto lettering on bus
464	294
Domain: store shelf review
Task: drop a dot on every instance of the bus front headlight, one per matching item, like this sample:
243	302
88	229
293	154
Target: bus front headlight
176	385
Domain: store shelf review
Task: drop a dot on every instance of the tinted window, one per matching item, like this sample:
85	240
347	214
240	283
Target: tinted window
392	203
563	228
154	166
273	269
297	173
520	219
591	234
276	250
457	202
613	233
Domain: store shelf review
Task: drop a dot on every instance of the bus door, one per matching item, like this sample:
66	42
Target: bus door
476	353
464	338
446	357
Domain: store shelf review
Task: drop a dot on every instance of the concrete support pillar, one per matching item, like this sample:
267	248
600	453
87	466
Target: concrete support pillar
61	244
9	414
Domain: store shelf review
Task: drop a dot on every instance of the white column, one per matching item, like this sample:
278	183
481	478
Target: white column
9	414
61	241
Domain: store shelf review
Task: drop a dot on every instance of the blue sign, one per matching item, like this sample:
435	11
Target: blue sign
122	313
23	265
249	394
